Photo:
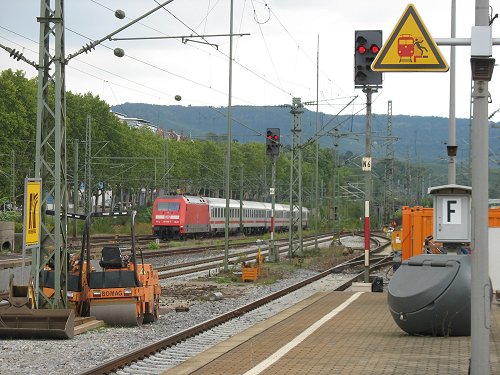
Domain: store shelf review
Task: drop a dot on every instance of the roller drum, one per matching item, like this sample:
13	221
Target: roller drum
116	312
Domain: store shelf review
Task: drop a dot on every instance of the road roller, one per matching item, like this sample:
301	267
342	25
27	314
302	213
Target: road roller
115	288
120	290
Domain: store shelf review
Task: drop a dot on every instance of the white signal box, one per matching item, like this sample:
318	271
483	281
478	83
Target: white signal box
452	213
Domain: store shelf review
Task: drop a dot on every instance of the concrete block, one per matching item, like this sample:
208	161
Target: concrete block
361	287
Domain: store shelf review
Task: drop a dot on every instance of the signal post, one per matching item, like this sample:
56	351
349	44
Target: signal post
367	45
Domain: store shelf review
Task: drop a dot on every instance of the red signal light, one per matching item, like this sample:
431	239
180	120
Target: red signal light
374	48
361	49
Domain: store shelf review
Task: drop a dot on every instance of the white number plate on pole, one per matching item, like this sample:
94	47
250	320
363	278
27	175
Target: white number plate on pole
367	164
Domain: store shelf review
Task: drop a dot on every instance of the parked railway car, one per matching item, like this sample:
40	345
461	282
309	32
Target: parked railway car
191	216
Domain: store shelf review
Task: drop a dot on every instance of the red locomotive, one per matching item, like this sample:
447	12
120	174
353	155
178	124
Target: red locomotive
180	216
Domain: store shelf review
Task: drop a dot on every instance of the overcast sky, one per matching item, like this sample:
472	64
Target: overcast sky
276	62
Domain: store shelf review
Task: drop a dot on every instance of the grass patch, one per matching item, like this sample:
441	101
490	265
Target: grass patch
227	277
323	258
153	245
319	259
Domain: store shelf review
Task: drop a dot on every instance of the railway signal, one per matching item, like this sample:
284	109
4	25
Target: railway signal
273	141
367	45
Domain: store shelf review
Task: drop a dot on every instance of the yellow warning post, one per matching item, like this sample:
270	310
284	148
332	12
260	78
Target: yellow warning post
32	201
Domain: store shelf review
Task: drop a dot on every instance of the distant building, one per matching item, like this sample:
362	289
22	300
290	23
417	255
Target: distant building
139	123
171	134
134	122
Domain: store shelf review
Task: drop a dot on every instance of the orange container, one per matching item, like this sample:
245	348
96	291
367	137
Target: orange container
418	223
494	217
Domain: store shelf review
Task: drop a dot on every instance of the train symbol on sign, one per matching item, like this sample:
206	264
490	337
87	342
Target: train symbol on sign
406	48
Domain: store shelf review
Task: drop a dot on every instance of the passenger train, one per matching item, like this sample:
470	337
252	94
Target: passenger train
184	216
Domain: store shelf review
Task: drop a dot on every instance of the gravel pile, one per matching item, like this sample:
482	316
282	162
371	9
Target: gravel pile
94	347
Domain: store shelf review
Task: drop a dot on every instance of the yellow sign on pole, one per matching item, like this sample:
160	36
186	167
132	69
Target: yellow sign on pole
410	48
32	201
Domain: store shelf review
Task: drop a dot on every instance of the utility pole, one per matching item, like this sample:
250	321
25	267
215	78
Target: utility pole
295	238
229	136
480	284
368	179
50	162
316	167
407	183
335	204
274	251
273	144
166	176
75	185
241	199
451	148
389	169
13	178
88	164
366	47
482	66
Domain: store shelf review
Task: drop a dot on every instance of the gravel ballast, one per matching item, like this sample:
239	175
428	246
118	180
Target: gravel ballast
92	348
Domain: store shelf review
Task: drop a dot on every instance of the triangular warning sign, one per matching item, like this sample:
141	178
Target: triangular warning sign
410	48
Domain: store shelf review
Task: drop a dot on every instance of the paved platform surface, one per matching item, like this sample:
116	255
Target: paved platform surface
357	336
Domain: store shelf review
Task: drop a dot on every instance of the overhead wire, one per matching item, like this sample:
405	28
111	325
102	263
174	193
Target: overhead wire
227	56
238	63
240	27
299	48
185	78
264	39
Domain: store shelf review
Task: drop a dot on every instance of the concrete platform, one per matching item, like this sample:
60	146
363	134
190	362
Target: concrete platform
339	333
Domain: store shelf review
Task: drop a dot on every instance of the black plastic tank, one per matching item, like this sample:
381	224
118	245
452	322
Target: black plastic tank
430	295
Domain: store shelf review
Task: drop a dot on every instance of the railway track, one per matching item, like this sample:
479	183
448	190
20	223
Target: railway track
215	263
99	242
153	356
212	263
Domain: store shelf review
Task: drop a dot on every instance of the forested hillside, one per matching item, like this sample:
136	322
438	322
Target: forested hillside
419	138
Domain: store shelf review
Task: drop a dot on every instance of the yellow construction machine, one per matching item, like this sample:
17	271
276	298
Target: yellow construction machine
117	288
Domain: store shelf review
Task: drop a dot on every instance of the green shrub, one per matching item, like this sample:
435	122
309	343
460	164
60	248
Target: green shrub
153	245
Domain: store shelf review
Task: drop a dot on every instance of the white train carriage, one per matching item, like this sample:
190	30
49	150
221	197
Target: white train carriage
217	215
282	219
256	216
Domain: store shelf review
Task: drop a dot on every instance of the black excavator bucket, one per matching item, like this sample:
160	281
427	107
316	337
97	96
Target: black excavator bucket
20	320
